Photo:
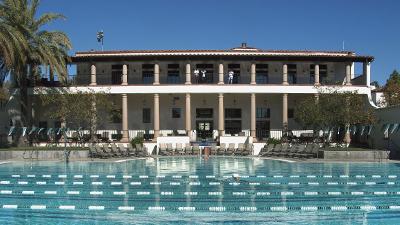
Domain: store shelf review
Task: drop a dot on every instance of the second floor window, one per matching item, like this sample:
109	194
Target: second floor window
116	74
262	73
148	73
323	74
206	73
292	73
173	74
235	68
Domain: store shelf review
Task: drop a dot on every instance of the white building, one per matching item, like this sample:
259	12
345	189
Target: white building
161	94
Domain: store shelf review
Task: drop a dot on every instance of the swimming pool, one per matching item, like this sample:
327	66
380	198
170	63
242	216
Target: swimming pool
179	190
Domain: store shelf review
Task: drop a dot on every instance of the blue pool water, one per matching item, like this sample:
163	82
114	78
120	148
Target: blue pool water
191	190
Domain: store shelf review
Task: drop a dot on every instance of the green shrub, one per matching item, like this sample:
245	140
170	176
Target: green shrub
137	140
273	141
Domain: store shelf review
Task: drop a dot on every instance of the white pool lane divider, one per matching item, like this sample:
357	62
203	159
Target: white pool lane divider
5	162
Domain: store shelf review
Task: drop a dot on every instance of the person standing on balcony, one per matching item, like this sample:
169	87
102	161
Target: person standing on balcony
230	77
203	75
196	75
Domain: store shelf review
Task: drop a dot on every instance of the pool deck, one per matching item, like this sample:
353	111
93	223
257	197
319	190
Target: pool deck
281	159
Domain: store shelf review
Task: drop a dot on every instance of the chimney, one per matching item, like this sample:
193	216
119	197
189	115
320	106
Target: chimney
244	45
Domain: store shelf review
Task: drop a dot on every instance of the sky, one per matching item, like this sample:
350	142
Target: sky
367	27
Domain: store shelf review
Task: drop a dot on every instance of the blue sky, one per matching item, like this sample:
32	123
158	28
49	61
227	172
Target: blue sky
368	27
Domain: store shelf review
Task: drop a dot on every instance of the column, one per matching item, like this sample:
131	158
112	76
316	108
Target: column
285	112
125	131
221	73
156	74
367	73
156	116
188	74
124	74
221	128
348	74
253	116
253	74
188	121
316	75
284	80
92	75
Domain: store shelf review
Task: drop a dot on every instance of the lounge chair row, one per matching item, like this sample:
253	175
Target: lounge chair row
113	150
166	149
291	151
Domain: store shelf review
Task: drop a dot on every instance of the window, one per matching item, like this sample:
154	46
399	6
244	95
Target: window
173	74
116	74
204	113
233	120
262	73
146	115
323	73
292	73
290	113
176	112
148	73
262	113
208	75
236	72
233	113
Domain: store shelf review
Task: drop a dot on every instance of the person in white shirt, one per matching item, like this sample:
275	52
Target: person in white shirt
230	77
203	74
196	75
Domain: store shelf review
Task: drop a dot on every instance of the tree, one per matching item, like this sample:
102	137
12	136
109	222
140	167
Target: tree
78	109
25	46
375	83
334	110
391	90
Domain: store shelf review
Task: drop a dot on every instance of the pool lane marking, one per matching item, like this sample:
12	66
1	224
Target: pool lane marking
72	192
46	176
110	176
5	182
174	183
338	208
67	207
28	192
217	209
94	176
50	192
5	162
156	208
59	182
97	183
190	193
41	182
117	183
119	193
368	207
10	206
62	176
308	208
96	207
78	176
22	182
38	207
16	175
126	208
5	192
127	176
30	175
279	208
187	208
96	193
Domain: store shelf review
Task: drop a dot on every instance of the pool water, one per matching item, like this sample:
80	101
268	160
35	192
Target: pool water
181	190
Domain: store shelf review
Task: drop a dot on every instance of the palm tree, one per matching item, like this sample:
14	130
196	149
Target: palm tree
25	46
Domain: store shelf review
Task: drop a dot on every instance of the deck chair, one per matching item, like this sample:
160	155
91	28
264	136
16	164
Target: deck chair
248	148
285	150
170	149
100	151
298	152
163	149
231	149
141	151
131	150
276	151
239	149
214	150
196	149
266	150
92	152
115	150
179	149
107	149
222	149
123	150
188	149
